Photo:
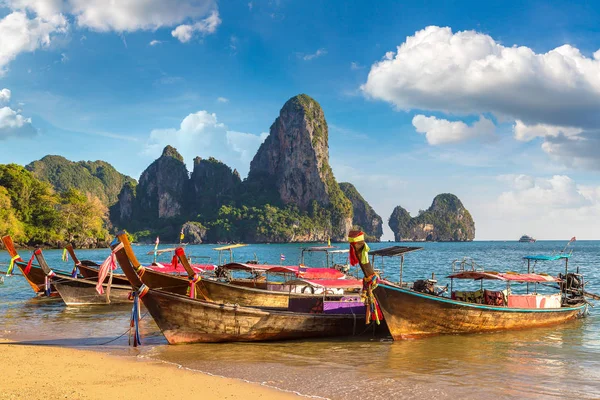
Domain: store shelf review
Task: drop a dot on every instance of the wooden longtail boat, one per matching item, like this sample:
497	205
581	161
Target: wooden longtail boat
186	320
77	292
412	314
89	269
35	276
224	292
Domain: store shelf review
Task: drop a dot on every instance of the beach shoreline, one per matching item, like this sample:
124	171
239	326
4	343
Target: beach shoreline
43	372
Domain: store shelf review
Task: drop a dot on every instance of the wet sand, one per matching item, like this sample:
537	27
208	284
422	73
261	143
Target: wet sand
42	372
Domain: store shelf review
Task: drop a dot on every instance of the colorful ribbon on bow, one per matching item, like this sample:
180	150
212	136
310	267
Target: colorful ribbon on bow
109	264
363	257
65	255
29	263
135	315
193	281
367	296
74	271
47	282
11	266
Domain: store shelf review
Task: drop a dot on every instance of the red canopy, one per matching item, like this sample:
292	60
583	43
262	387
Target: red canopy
504	276
328	283
299	271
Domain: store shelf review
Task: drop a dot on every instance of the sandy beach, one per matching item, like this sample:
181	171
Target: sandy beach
41	372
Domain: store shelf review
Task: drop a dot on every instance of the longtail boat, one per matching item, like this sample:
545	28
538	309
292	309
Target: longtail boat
274	295
77	292
34	274
183	319
421	311
89	269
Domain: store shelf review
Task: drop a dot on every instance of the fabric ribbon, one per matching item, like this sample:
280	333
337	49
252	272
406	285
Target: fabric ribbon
367	296
11	266
74	272
175	261
109	264
135	315
28	267
65	256
193	281
47	282
363	257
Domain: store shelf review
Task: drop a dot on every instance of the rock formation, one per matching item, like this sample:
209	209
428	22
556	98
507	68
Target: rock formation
160	192
292	165
212	184
447	220
365	218
193	232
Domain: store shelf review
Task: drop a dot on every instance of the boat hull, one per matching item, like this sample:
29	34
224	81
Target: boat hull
410	314
36	279
185	320
79	292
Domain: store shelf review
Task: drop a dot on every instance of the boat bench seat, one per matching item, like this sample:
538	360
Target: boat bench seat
469	297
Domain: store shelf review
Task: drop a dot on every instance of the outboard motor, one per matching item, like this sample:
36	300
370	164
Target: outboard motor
572	287
426	286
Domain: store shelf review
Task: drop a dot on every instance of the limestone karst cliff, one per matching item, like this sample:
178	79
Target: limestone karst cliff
365	218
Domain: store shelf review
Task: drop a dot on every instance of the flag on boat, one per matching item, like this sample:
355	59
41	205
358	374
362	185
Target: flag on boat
181	235
301	269
329	242
572	239
156	243
282	257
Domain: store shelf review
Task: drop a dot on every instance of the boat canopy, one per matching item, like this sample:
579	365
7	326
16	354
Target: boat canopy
504	276
327	283
328	249
394	251
229	247
542	257
300	271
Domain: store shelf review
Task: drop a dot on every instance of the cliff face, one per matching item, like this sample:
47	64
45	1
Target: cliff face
161	188
292	164
98	178
365	218
447	220
212	184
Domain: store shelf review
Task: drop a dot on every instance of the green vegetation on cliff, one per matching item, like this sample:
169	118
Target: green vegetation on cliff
97	178
447	220
365	218
35	214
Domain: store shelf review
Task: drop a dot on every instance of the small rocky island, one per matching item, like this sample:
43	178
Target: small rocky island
447	220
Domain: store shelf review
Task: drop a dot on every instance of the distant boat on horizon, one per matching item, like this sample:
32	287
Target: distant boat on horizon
526	239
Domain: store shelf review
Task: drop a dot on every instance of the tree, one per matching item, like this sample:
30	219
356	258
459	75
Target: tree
83	216
9	224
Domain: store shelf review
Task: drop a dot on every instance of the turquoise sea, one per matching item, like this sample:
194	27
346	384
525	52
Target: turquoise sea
557	362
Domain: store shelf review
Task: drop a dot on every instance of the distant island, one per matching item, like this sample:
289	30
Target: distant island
290	195
447	220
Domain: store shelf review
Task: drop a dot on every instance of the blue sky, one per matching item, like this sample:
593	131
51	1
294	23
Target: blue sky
481	99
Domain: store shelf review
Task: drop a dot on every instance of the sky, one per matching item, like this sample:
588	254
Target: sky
496	102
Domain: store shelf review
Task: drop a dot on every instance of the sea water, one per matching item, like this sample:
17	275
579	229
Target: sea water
555	362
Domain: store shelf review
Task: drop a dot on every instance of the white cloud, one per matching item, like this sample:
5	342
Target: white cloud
222	100
184	33
43	8
155	42
4	96
470	73
12	123
576	151
441	131
318	53
133	15
20	34
201	134
526	133
355	66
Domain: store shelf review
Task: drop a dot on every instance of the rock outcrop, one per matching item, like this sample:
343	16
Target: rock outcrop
212	185
97	178
193	232
292	165
160	191
447	220
365	218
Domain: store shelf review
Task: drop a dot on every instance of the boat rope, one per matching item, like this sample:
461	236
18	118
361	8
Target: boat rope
11	266
135	314
109	264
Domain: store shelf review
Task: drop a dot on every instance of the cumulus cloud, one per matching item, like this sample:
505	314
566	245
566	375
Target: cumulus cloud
441	131
470	73
12	123
19	33
201	134
222	100
577	151
185	33
526	133
4	96
316	54
155	42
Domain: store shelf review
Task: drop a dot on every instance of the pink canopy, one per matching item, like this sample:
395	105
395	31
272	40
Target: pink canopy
299	271
328	283
504	276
